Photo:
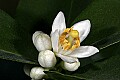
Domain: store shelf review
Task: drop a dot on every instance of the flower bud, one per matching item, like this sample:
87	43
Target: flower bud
41	41
37	73
71	66
27	69
47	59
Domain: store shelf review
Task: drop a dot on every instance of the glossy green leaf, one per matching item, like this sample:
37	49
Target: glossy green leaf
9	39
108	41
106	46
15	57
54	75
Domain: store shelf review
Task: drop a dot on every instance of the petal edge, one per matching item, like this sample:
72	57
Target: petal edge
54	40
83	28
84	51
59	23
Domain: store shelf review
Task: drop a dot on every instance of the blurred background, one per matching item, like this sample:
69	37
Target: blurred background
9	6
11	70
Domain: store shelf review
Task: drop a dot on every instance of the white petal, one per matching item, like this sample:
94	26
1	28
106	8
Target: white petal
84	51
59	23
67	58
55	39
83	27
63	52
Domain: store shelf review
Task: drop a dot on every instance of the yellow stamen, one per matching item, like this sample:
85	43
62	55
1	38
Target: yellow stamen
69	39
66	46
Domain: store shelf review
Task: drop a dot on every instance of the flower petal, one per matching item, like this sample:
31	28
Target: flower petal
67	58
59	23
55	39
63	52
83	27
84	51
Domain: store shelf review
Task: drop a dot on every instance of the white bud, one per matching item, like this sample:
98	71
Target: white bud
37	73
47	59
71	66
41	41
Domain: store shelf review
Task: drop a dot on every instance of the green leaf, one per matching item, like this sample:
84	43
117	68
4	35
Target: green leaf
108	41
54	75
14	57
108	69
9	39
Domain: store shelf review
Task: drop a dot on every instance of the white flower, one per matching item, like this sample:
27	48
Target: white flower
70	66
37	73
47	59
41	41
66	41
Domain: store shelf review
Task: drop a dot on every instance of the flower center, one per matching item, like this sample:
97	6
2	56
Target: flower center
69	39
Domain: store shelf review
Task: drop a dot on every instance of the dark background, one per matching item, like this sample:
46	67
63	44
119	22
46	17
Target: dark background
10	70
9	6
